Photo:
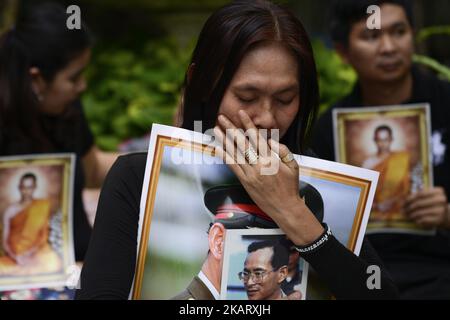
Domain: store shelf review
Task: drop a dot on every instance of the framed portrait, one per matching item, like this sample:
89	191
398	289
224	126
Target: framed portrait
261	264
36	247
183	177
394	141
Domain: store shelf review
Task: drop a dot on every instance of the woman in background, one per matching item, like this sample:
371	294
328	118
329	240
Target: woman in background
41	80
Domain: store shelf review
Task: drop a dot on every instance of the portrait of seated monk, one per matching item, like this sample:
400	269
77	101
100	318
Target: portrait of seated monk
394	183
25	244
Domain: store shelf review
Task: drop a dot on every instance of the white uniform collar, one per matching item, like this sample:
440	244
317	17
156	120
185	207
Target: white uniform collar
209	285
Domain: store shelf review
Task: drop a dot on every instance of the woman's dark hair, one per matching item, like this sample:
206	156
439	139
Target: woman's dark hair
345	13
39	39
227	36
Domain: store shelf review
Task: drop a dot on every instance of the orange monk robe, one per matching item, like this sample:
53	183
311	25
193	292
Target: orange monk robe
393	185
28	235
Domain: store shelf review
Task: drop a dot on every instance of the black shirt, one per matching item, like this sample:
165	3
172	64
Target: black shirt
68	133
420	265
111	258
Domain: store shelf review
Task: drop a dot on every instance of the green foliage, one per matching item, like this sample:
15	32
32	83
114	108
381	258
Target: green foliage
174	274
336	79
159	4
8	12
426	33
128	90
442	71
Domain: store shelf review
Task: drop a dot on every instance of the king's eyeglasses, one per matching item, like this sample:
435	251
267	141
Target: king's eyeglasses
257	276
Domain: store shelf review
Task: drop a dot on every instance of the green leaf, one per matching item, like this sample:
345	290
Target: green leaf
442	70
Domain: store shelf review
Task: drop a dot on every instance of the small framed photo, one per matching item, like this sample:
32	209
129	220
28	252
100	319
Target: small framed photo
261	264
36	247
395	142
189	193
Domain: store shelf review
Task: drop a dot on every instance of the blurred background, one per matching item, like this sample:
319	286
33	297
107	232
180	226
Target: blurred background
143	47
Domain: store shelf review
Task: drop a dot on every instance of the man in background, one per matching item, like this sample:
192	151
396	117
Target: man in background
382	58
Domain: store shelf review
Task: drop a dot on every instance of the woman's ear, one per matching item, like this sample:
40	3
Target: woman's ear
216	239
38	84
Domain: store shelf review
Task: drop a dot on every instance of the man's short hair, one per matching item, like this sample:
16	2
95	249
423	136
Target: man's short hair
29	176
383	128
345	13
280	256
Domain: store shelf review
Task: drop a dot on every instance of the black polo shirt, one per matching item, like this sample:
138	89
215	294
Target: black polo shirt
420	265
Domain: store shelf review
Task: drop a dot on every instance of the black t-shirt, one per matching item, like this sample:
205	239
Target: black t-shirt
110	262
420	265
69	133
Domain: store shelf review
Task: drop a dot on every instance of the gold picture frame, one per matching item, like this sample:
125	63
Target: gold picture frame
410	132
56	172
